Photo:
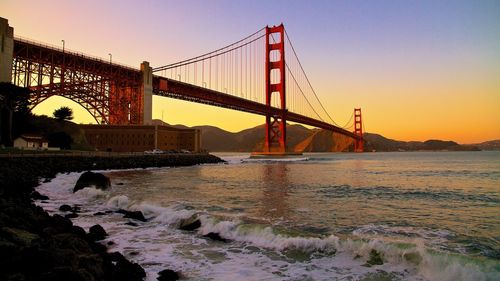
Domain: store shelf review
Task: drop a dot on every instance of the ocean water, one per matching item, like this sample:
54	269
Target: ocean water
337	216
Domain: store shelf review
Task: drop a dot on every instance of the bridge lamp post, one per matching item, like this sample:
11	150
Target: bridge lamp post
63	44
110	58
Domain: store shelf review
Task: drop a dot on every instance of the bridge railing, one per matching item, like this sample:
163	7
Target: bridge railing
70	51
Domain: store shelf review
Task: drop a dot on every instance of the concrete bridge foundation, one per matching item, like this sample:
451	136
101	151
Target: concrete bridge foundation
147	93
6	50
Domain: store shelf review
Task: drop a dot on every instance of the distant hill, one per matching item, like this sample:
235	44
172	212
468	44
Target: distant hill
375	142
215	139
300	138
488	145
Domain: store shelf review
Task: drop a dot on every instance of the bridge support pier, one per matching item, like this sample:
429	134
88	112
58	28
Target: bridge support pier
131	103
147	93
6	50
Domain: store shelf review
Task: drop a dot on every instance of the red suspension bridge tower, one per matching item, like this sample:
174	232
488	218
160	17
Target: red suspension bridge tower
358	130
275	140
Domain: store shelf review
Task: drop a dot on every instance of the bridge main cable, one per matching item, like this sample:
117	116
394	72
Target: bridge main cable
308	81
209	54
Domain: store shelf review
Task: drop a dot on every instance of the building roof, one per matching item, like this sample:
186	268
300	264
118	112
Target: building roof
33	138
133	127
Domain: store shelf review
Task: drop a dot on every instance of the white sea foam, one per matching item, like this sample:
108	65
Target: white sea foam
90	193
450	268
118	202
166	215
276	159
264	236
234	159
160	245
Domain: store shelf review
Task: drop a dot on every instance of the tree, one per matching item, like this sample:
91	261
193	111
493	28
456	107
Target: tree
63	113
13	100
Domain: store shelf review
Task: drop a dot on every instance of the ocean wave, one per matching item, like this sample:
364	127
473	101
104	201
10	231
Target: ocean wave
329	254
171	215
118	202
265	236
432	264
384	192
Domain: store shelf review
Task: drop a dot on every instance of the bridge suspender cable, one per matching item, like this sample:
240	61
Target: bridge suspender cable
250	65
187	62
297	83
216	52
348	122
307	79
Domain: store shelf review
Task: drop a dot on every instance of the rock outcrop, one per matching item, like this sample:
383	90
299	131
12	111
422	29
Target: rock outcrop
37	246
88	179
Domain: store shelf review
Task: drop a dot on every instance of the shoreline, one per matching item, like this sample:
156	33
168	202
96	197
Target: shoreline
37	246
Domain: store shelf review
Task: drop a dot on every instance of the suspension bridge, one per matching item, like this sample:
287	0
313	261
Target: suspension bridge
259	74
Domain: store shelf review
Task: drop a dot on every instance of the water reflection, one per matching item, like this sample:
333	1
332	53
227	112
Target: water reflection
275	191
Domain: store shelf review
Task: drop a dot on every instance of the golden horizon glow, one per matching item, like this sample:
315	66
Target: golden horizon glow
418	74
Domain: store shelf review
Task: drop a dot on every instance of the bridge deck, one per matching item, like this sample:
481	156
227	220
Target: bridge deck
43	54
184	91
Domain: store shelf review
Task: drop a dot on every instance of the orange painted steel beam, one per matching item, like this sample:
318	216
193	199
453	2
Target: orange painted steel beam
188	92
109	92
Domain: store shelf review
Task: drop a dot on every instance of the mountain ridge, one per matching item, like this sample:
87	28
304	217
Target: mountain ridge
302	139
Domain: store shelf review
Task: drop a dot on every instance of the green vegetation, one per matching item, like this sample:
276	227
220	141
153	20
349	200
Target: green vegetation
16	119
60	133
63	113
14	109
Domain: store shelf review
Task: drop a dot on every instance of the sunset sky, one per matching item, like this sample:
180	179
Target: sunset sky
418	69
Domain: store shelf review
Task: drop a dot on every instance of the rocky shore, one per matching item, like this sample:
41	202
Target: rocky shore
37	246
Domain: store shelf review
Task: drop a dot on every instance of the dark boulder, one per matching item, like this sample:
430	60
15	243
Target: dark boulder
17	236
35	195
167	275
96	232
61	223
71	216
87	179
136	215
216	237
78	231
190	224
124	269
65	208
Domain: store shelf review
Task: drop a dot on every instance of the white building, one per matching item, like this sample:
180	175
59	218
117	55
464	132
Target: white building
31	142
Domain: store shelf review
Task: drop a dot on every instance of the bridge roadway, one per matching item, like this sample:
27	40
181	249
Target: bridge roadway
179	90
55	57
